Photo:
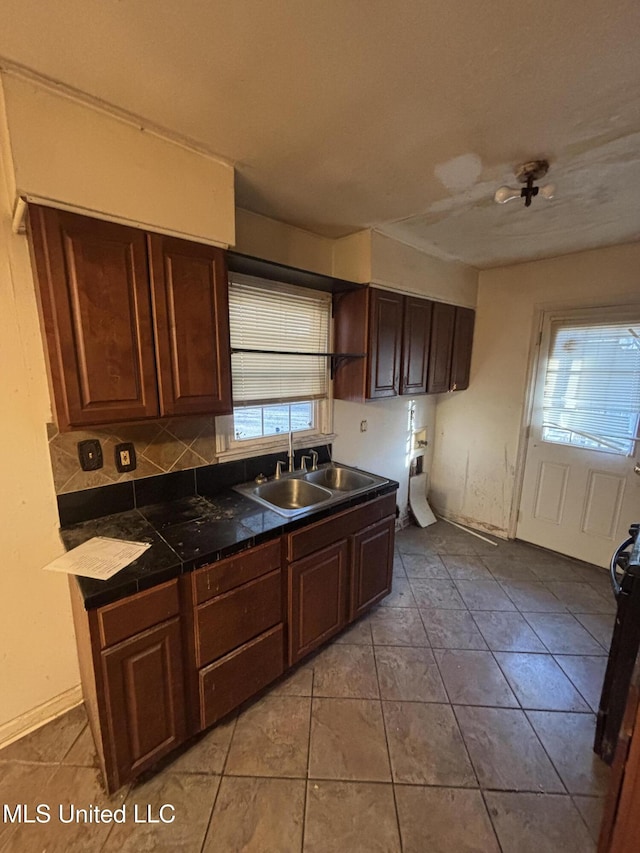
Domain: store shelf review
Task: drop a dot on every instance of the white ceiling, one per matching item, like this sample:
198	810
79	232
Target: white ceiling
402	115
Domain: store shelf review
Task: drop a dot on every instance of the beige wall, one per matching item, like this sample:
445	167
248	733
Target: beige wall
73	154
400	267
262	237
478	431
37	648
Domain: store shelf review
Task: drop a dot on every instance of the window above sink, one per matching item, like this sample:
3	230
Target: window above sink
279	383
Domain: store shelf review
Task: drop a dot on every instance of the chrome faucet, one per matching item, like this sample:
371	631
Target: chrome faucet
290	454
314	458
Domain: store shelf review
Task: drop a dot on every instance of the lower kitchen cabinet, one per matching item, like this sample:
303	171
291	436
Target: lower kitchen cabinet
372	566
131	660
163	664
317	599
338	568
145	705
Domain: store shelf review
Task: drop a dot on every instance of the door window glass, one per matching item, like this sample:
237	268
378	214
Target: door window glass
592	386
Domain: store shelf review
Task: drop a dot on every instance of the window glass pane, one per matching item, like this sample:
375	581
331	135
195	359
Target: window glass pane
301	416
247	422
262	421
276	419
592	387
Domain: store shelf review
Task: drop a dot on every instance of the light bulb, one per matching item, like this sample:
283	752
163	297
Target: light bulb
548	191
505	194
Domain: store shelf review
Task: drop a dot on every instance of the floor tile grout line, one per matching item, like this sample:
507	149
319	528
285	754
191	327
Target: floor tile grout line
584	820
306	784
575	686
493	827
221	778
547	753
386	740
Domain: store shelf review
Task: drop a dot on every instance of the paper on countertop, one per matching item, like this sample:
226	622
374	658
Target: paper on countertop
98	558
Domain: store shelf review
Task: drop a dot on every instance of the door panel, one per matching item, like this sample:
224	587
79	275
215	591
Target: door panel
372	567
192	328
317	596
385	344
551	491
145	695
415	345
577	498
96	308
442	325
462	345
603	503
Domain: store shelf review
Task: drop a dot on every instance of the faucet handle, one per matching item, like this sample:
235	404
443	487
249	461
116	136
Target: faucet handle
279	465
314	460
303	463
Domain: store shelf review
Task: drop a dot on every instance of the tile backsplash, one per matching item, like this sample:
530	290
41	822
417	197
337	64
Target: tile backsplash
161	446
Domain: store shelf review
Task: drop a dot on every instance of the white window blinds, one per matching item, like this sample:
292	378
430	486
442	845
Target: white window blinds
592	386
277	317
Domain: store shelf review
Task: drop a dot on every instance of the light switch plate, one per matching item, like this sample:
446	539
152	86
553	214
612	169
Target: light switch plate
90	454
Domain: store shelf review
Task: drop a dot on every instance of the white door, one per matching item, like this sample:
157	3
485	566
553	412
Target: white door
581	485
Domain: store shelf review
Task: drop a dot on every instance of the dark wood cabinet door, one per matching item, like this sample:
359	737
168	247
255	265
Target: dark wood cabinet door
372	567
317	599
96	307
191	313
416	334
462	343
385	340
441	346
145	698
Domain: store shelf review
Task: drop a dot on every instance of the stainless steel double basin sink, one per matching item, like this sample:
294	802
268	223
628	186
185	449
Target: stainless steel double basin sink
302	491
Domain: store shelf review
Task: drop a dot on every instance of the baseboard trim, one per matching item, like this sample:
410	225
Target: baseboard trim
25	723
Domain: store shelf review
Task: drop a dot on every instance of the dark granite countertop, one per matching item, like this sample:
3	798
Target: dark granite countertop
188	533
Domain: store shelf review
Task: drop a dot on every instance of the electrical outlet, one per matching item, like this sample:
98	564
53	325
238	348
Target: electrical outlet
363	426
90	454
125	454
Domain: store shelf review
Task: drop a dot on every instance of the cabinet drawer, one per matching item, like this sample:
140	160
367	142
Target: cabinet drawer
227	574
237	676
309	539
229	620
125	618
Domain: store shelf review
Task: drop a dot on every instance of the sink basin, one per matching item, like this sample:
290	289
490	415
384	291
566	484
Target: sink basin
297	493
340	479
291	494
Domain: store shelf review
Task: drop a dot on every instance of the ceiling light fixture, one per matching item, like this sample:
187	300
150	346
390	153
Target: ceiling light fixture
527	173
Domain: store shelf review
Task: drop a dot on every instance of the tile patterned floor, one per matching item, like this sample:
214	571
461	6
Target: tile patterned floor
457	717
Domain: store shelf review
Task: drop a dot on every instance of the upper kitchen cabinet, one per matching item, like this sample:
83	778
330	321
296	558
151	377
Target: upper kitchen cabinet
415	345
462	343
393	330
385	344
441	347
191	313
450	350
128	339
